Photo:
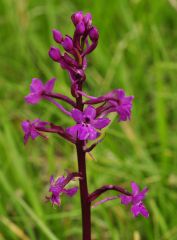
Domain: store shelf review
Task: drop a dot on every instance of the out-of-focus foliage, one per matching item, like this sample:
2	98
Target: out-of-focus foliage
137	52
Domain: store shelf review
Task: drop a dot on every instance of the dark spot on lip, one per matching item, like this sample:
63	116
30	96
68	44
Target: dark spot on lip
87	120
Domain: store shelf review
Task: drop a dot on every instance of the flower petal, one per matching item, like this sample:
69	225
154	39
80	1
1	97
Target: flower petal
140	196
33	98
71	191
93	134
77	115
135	188
60	180
120	93
25	126
83	133
49	85
36	85
135	210
73	131
100	123
55	200
52	180
34	134
90	112
125	199
144	212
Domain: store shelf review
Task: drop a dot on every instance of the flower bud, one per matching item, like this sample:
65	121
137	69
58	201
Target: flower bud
80	28
67	44
94	34
57	36
88	19
55	54
77	17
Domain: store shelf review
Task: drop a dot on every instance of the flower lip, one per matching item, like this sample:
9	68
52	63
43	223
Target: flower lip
87	125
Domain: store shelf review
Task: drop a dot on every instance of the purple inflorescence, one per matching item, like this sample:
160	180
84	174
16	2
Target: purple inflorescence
90	116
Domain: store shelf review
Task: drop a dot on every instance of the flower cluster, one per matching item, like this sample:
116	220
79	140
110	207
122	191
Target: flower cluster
90	116
57	188
83	42
136	200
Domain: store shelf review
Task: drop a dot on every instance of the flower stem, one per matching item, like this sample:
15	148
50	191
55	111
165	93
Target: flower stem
84	195
105	188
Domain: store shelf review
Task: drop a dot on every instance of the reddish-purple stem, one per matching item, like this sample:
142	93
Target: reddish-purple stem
84	195
61	97
105	188
57	130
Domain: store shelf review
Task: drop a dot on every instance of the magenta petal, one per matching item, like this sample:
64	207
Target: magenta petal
55	190
60	180
135	210
34	134
50	85
77	115
125	199
101	123
25	126
90	112
140	196
120	93
52	179
144	212
36	85
55	200
33	98
93	134
135	188
71	191
144	191
73	131
83	133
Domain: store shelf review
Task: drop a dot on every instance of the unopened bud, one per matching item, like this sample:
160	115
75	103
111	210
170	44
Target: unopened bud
67	43
77	17
55	54
57	36
88	19
80	28
94	34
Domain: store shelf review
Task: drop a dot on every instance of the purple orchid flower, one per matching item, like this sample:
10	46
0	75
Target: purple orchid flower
136	200
115	101
122	104
38	90
87	125
30	130
57	188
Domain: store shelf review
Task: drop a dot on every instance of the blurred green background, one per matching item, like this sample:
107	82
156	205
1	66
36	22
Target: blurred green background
137	52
